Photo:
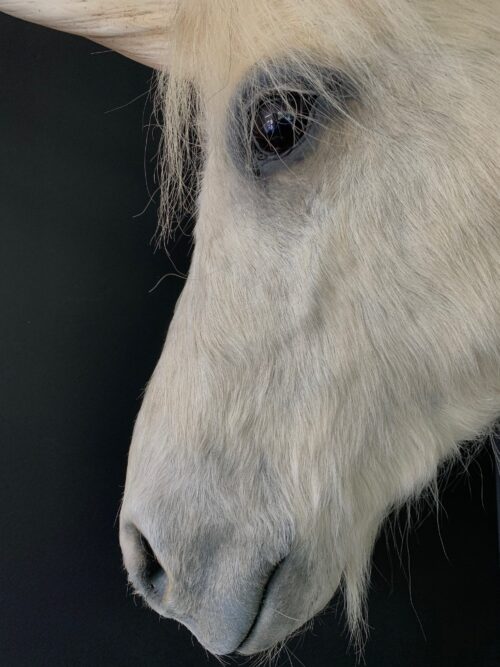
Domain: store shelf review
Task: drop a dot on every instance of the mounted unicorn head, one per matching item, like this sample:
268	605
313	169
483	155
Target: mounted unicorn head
339	332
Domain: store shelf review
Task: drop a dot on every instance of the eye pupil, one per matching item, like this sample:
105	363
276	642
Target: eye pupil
280	122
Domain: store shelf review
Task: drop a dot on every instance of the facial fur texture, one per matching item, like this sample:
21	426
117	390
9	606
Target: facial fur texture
338	334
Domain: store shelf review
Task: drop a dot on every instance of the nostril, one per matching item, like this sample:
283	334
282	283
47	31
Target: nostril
151	566
152	574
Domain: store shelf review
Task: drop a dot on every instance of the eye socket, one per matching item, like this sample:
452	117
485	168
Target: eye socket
279	122
278	115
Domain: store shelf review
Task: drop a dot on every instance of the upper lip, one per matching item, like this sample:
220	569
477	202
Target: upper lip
265	589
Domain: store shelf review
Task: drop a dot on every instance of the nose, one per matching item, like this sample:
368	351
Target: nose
216	616
147	573
218	593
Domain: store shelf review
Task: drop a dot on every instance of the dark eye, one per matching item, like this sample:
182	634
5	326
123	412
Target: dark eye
279	122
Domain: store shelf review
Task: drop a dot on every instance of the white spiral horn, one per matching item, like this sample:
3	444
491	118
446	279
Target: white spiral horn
136	28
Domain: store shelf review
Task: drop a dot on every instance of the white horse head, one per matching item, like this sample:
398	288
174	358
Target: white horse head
339	333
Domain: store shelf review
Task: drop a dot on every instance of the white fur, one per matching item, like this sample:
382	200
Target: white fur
339	332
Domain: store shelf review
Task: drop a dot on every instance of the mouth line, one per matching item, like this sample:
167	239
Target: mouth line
265	590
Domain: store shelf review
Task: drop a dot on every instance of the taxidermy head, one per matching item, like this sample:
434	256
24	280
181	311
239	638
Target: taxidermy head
338	335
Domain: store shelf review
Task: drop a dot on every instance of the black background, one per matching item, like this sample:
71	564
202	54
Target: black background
80	332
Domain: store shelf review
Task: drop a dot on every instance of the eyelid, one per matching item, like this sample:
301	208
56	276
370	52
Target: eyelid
277	92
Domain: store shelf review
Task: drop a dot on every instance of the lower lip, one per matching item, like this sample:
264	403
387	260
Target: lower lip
270	579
